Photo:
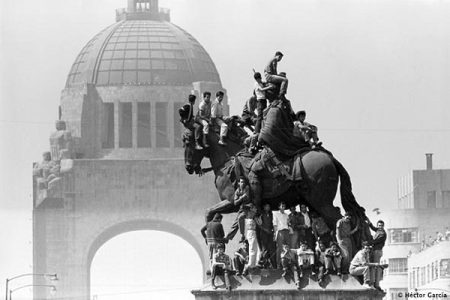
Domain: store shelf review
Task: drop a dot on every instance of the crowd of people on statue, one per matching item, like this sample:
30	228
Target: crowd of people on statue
211	114
298	242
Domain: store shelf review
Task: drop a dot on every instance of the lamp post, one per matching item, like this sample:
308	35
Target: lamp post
53	277
28	285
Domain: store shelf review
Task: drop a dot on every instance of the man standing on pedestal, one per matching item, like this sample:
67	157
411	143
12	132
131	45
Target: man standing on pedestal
377	244
281	229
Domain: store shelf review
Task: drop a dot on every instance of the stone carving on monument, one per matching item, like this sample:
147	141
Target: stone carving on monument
55	163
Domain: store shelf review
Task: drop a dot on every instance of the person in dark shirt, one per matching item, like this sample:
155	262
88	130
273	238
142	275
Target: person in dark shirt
379	239
266	236
213	234
296	227
241	199
241	257
190	122
272	76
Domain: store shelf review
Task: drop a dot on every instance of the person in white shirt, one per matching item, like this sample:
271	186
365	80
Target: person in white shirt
281	229
217	117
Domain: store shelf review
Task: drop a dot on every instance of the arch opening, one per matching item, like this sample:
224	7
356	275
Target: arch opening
148	264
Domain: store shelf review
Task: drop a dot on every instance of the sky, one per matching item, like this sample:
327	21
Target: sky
372	75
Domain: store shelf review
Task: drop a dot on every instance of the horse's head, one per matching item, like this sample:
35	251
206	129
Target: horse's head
192	157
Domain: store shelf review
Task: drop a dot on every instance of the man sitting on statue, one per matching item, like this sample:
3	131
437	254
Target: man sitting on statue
360	265
333	260
272	76
217	117
221	265
248	113
240	259
305	259
305	130
288	261
204	116
189	121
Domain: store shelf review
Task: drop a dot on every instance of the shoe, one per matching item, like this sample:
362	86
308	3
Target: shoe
300	274
319	144
298	285
229	288
313	273
214	287
339	273
284	274
198	146
238	274
378	288
326	272
368	286
222	142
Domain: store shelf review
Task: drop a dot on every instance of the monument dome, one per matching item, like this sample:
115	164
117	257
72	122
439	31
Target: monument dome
142	52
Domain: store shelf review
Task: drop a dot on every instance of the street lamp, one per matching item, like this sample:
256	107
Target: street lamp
53	288
52	277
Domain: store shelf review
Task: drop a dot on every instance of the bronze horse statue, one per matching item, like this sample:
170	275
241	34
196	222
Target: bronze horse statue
321	173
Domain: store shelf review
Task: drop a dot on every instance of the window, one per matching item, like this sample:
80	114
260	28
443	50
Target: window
162	140
444	268
143	128
431	199
422	275
403	235
125	125
108	125
446	199
398	265
178	127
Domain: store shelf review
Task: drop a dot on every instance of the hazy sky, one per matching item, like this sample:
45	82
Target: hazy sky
372	75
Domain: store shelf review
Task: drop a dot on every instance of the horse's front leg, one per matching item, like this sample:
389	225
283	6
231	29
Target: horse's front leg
223	207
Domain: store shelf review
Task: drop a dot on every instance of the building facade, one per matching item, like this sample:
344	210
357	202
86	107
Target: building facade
423	212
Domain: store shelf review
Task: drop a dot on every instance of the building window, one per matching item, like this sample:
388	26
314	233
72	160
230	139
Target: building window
431	199
108	125
444	267
398	265
428	273
422	275
403	235
177	126
125	125
143	127
162	133
446	199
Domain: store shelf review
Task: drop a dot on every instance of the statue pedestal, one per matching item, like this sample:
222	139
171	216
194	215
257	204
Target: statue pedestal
270	285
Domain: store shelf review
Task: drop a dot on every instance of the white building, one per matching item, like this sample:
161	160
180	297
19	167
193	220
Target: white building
423	210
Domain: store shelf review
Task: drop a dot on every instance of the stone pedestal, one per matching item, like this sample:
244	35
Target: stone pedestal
270	285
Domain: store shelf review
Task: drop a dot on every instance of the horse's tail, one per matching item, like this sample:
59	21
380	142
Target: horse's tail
348	199
351	205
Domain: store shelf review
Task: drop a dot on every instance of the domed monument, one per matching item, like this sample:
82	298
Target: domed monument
124	89
116	159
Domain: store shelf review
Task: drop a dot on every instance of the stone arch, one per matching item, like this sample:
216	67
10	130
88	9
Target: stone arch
140	225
